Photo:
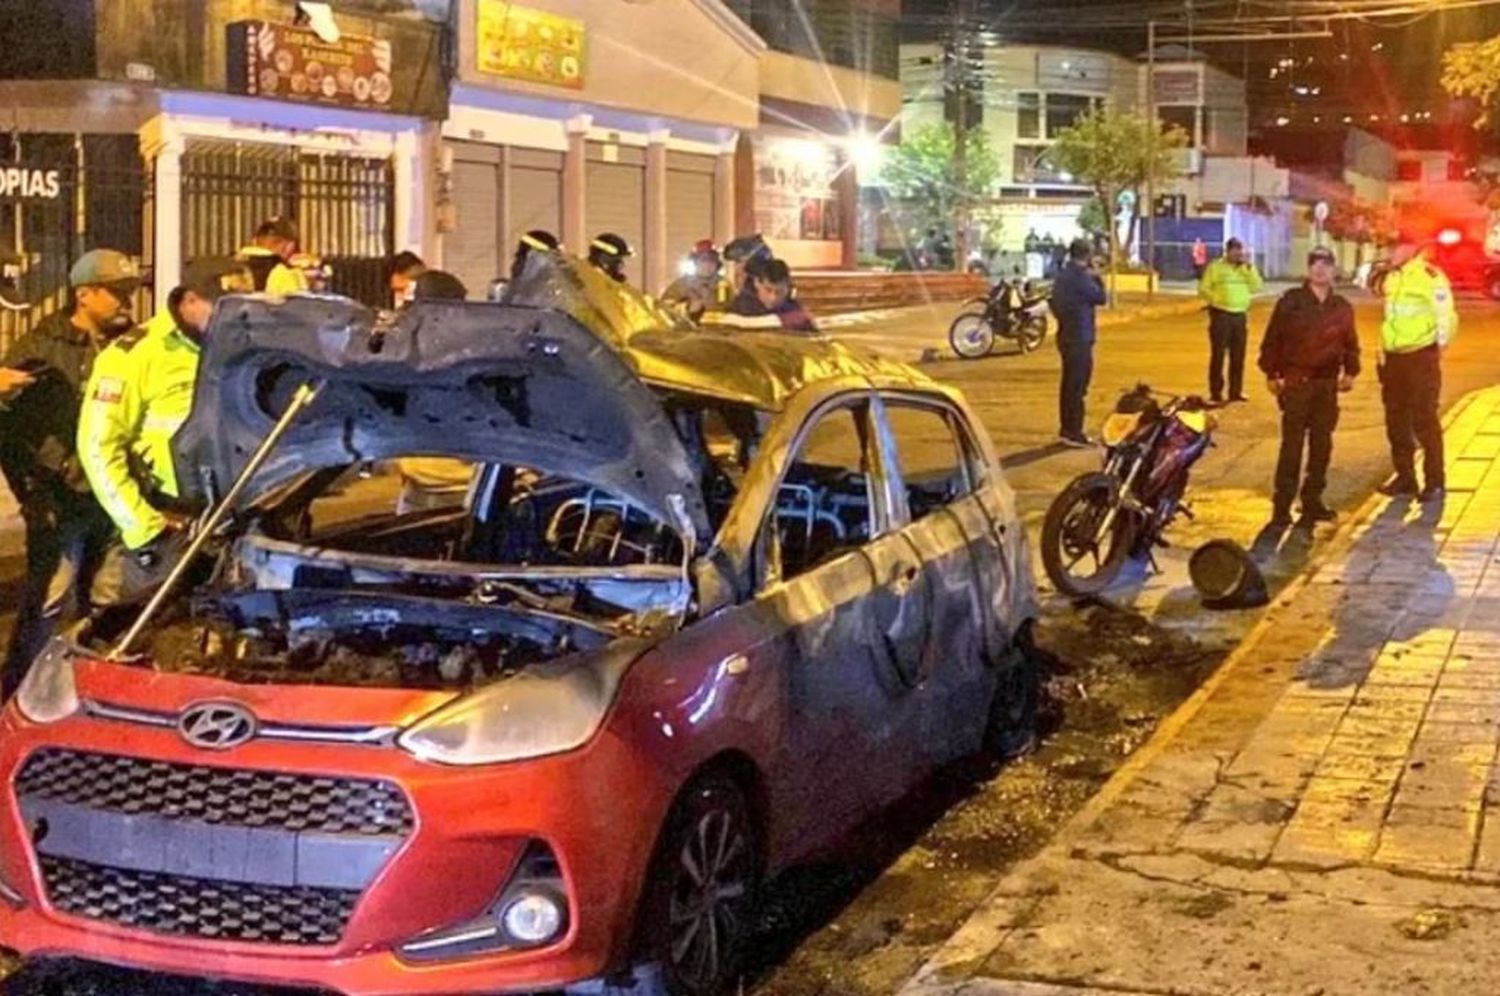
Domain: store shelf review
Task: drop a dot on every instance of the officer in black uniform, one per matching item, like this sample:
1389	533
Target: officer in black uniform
67	532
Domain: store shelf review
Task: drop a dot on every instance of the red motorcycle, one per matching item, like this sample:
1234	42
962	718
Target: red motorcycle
1102	518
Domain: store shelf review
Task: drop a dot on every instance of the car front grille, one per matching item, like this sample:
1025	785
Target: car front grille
173	904
213	853
220	796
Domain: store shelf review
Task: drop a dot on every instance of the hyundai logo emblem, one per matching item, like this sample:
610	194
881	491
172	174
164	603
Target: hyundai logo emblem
216	725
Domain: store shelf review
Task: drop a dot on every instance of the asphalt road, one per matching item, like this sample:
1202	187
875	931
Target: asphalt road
860	925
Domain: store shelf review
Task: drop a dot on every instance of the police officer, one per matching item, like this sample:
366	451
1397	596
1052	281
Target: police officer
67	533
1420	322
1309	355
752	257
269	258
1228	284
705	289
139	395
609	252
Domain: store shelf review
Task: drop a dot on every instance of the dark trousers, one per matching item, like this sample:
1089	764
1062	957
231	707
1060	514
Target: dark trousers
1410	384
62	554
1077	371
1227	333
1309	414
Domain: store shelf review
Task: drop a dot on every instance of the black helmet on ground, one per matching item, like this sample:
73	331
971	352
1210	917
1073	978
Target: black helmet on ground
608	252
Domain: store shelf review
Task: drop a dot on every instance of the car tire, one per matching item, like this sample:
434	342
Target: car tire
697	912
1011	727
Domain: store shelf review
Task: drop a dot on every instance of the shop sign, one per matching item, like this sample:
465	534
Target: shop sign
291	63
30	183
794	190
1177	86
533	45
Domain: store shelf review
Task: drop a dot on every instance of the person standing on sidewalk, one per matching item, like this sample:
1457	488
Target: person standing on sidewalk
1076	293
1420	321
67	532
1200	258
1310	354
1228	284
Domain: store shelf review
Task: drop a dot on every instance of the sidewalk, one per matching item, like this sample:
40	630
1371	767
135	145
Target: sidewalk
1323	817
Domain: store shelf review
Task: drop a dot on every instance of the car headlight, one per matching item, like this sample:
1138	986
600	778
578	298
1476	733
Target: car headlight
48	692
540	711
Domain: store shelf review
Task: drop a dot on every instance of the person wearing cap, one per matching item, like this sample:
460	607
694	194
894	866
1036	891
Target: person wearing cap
269	258
1421	321
705	289
67	532
140	393
1228	284
1309	355
751	255
609	252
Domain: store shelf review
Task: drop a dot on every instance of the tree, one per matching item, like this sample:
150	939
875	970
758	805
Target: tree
1472	69
1115	152
921	171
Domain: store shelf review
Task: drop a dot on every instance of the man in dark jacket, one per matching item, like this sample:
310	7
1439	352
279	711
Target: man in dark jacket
1310	354
1075	294
67	532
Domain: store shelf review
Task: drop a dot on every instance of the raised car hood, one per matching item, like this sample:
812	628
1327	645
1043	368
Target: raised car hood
483	382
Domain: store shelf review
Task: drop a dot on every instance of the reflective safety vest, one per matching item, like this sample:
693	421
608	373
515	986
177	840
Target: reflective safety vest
270	272
138	396
1230	288
1419	309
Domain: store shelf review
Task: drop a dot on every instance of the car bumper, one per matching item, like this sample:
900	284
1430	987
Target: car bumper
598	809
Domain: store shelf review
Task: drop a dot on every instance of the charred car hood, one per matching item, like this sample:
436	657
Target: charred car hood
477	381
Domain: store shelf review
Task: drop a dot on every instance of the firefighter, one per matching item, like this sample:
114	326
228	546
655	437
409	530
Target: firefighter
609	252
705	289
269	259
140	393
67	532
1420	322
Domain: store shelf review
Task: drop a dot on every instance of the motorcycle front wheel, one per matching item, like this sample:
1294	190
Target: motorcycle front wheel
971	335
1079	561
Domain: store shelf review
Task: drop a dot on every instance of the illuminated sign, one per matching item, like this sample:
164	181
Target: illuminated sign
30	183
290	63
532	45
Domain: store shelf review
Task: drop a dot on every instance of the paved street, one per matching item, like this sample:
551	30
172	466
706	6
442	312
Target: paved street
866	924
1321	818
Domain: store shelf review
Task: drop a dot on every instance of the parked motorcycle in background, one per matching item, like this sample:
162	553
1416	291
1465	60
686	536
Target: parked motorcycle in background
1105	517
1013	310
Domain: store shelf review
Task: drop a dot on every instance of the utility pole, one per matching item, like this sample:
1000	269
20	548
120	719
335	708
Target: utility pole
959	84
1151	130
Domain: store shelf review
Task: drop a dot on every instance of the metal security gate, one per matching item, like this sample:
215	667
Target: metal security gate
343	206
615	200
690	204
60	196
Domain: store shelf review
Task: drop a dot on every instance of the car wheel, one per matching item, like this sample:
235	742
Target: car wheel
700	898
1011	729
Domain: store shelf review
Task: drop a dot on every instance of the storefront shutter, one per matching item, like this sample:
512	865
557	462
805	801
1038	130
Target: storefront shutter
471	251
535	187
690	212
616	202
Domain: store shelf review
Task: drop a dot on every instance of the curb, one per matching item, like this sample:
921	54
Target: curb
927	979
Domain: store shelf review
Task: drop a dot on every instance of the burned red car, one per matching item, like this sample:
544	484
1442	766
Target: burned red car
710	601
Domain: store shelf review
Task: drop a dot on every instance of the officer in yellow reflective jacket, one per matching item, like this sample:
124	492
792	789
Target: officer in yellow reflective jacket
138	396
1420	321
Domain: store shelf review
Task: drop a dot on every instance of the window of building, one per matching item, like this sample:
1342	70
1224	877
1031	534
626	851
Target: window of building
1409	170
1029	115
1185	118
1064	110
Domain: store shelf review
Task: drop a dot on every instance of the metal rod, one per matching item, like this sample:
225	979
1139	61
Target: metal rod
1228	37
304	397
1151	157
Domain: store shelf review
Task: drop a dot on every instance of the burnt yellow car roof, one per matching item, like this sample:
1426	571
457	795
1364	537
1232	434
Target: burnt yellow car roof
759	368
